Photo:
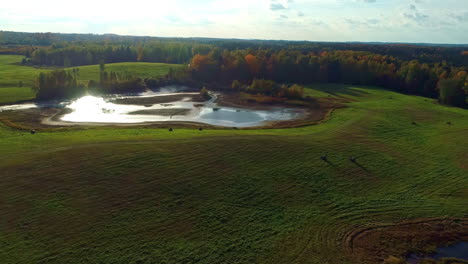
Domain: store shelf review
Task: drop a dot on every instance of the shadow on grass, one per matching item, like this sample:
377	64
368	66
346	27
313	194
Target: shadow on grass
340	90
345	93
330	163
361	166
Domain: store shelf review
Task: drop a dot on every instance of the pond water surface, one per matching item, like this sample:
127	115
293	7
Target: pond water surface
458	251
93	109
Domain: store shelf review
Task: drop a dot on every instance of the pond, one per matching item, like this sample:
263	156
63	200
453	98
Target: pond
169	104
458	251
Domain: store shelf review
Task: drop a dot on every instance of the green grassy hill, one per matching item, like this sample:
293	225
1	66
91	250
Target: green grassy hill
12	72
140	69
127	195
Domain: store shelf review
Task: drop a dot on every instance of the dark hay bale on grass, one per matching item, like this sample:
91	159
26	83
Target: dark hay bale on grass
33	131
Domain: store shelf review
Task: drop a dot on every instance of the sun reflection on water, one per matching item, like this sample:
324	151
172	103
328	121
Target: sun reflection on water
96	109
93	109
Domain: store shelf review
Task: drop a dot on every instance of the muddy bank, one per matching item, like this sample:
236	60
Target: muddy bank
181	108
387	243
29	118
265	102
315	110
193	97
50	119
162	112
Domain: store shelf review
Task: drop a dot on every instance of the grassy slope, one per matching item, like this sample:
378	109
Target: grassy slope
11	73
15	94
141	69
114	195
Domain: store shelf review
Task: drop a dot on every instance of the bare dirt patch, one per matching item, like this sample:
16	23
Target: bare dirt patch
262	102
28	118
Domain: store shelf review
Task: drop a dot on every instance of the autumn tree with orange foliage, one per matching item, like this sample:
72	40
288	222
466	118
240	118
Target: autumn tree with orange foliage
350	67
253	64
204	67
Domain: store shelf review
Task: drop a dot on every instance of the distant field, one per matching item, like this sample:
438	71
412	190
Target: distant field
14	94
140	69
128	195
12	72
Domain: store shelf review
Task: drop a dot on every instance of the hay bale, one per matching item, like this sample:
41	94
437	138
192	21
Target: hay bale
33	131
170	129
200	129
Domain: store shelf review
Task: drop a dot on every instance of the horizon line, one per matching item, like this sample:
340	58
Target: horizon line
245	39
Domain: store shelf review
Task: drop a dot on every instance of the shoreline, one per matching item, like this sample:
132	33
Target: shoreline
50	118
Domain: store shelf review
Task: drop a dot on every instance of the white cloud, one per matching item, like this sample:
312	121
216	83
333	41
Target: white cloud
334	20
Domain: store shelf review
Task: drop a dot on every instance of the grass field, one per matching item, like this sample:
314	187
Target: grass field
14	94
12	72
127	195
141	69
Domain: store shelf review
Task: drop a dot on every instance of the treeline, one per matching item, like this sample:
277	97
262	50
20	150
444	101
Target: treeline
272	73
58	84
456	55
14	50
270	88
432	71
67	44
64	83
47	39
439	80
67	55
113	82
72	54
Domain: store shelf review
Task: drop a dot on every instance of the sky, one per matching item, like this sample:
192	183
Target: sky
415	21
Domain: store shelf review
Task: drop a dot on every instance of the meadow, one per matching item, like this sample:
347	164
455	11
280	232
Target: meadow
12	73
144	195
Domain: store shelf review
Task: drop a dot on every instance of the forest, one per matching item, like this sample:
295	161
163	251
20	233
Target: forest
440	80
432	71
425	53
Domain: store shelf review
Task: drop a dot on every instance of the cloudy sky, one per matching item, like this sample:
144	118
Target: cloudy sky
317	20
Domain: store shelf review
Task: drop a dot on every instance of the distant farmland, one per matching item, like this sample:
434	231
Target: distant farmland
12	73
